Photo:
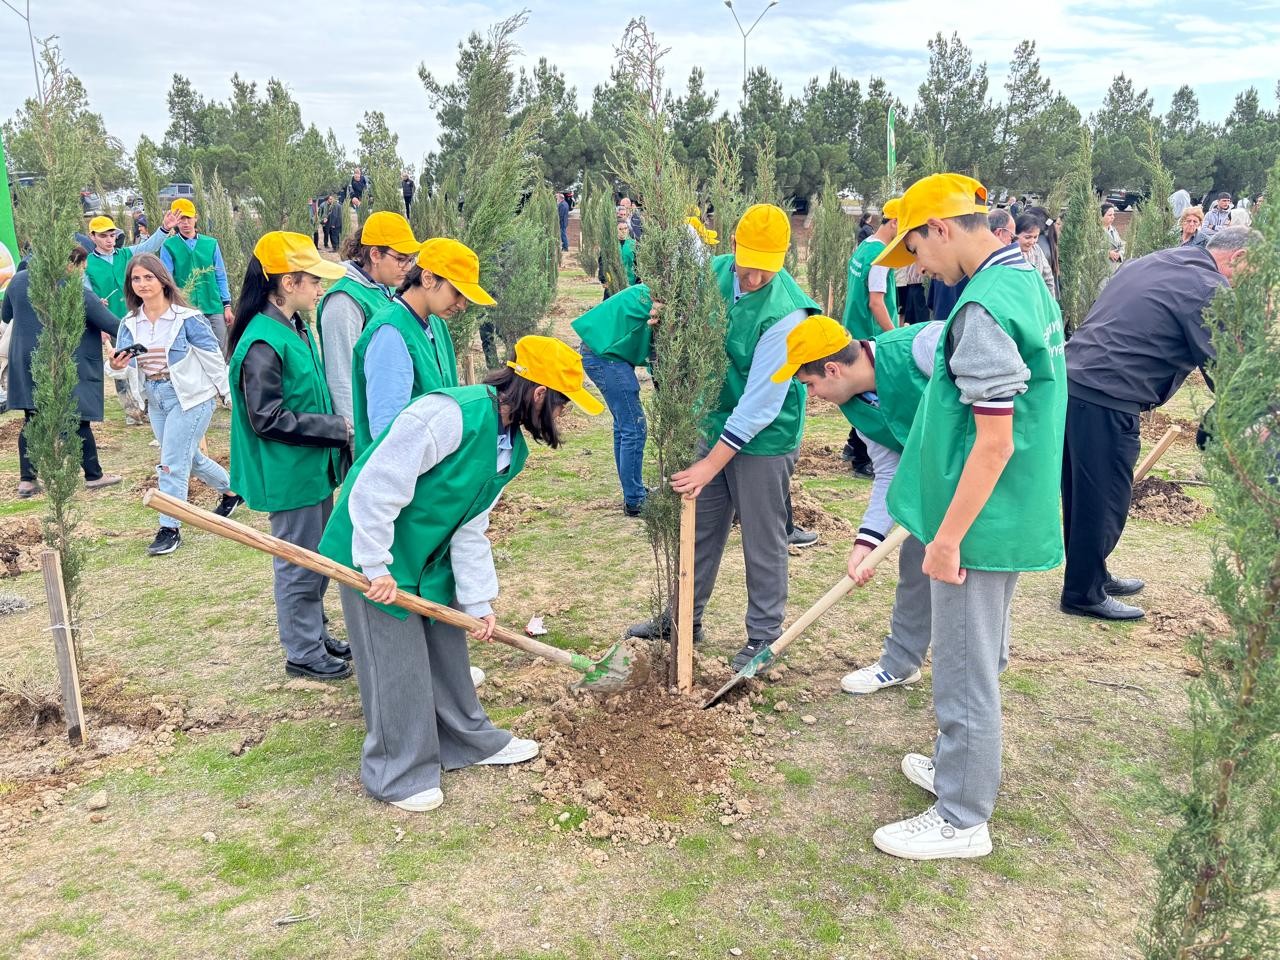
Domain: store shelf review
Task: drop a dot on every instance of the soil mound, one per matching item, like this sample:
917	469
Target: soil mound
1164	502
198	495
1157	424
20	546
820	460
810	514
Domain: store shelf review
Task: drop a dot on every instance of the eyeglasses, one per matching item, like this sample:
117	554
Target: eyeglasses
403	259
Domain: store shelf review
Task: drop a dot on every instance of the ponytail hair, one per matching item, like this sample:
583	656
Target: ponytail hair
517	393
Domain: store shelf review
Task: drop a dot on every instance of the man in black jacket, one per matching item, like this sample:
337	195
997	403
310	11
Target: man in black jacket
1145	333
407	190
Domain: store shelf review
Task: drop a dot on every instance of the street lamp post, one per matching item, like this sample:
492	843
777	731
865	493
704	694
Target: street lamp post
32	40
746	33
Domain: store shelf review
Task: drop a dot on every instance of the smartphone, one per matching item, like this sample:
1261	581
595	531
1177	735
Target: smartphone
133	350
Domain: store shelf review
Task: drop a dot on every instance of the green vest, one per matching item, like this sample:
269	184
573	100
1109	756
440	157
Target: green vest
628	253
857	311
107	279
899	387
1019	528
271	475
434	362
456	490
618	328
369	299
205	295
748	319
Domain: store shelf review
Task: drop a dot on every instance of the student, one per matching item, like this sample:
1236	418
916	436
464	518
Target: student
183	374
751	436
104	270
628	251
877	384
285	437
187	255
406	350
978	486
376	259
413	515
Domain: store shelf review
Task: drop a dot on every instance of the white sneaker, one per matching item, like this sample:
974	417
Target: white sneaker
929	837
919	770
517	751
477	676
873	678
421	802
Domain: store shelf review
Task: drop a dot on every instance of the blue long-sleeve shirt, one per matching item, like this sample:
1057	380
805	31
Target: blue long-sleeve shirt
391	390
219	265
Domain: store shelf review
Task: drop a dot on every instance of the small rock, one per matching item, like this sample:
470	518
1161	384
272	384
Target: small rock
271	687
725	821
97	802
96	817
564	817
781	706
809	719
209	836
743	806
546	946
735	951
760	853
300	683
593	789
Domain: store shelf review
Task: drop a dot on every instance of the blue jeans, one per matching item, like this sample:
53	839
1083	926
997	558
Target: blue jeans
179	432
617	381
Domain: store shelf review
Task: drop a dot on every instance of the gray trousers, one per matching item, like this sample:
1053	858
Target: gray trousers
970	627
219	324
300	592
908	640
755	488
421	713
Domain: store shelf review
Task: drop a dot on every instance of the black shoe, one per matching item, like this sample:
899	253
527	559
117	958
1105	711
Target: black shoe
227	505
1123	586
847	454
166	541
801	538
1108	609
330	668
635	511
660	629
863	470
336	648
747	653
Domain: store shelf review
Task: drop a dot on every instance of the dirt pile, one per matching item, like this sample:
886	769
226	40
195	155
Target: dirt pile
198	495
512	510
810	514
1157	423
820	460
1164	502
10	427
20	546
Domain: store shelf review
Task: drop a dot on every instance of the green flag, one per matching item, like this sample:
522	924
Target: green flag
8	238
891	147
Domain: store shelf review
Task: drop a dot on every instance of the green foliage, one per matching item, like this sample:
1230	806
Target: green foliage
599	253
1038	128
380	164
543	210
1152	227
235	231
724	192
1220	871
954	110
1082	246
148	182
766	191
293	164
1118	128
520	283
830	246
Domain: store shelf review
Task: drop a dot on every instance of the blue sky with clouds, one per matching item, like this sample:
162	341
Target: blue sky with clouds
341	58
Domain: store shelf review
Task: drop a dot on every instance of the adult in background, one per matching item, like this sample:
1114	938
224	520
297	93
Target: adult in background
358	187
407	190
1218	216
1115	243
1132	352
187	255
1239	216
1001	224
26	328
1027	234
562	211
1050	228
628	214
1190	223
331	221
865	228
912	307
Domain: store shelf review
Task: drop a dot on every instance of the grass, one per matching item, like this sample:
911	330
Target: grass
485	876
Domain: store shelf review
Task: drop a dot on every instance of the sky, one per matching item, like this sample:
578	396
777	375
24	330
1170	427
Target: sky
342	57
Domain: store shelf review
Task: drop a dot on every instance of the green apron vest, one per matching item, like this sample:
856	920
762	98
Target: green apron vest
629	260
205	296
857	311
107	280
456	490
618	328
899	387
369	299
268	474
748	319
434	362
1020	527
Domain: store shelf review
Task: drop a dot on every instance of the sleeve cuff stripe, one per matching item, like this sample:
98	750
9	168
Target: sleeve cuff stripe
735	442
987	410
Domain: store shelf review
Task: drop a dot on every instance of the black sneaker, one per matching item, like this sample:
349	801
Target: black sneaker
747	653
330	668
847	453
631	511
227	505
660	629
863	470
336	648
801	538
166	541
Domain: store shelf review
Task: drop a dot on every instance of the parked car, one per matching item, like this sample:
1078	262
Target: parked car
172	191
90	203
1122	198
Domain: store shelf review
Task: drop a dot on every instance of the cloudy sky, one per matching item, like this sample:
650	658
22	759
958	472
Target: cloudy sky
342	58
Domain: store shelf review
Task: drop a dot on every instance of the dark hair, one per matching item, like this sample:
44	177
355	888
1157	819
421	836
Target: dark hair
1105	208
353	248
968	222
1050	235
417	277
1026	221
149	261
864	219
845	356
255	294
78	256
517	393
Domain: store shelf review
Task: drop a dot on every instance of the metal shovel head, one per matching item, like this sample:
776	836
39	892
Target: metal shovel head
754	666
612	672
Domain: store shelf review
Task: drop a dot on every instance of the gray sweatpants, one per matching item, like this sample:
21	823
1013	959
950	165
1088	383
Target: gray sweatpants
909	625
300	592
218	323
970	628
421	713
756	489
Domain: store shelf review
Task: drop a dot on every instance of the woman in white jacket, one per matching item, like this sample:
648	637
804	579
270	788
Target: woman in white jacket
183	374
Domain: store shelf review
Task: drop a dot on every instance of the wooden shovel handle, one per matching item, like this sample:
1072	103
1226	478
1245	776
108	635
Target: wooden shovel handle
832	596
171	506
1157	452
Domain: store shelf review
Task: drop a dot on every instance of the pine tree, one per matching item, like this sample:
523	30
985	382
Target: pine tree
144	158
1082	246
1219	874
236	235
830	246
1152	227
599	253
380	163
724	192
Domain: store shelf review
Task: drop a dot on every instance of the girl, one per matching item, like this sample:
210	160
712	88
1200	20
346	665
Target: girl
183	372
413	515
628	251
285	437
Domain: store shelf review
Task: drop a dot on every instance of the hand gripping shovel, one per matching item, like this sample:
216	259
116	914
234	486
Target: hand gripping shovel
611	672
775	649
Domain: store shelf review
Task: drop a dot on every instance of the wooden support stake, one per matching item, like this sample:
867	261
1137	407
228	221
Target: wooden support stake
831	296
64	646
684	600
1156	453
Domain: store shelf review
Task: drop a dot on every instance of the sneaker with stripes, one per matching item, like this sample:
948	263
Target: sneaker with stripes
873	678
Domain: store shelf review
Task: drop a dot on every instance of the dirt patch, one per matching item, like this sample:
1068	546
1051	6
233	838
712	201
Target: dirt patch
809	513
20	546
1164	502
10	427
1156	424
198	495
820	460
510	513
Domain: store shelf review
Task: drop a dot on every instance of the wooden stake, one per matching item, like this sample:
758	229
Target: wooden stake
1156	453
64	646
831	295
684	601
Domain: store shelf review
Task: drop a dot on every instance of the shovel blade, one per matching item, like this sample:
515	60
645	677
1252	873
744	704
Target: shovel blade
754	666
612	672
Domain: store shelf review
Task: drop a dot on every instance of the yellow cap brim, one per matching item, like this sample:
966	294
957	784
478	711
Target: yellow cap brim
896	253
405	246
325	270
474	292
786	372
750	259
586	402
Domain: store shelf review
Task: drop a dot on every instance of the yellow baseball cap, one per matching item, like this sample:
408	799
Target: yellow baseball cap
457	263
942	195
387	229
890	209
183	208
282	252
102	225
812	339
555	365
762	238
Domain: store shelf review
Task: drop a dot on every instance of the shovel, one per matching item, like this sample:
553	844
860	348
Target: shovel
610	673
806	619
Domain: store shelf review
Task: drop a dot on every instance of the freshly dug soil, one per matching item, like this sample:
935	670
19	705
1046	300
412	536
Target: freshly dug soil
510	513
1164	502
20	546
820	460
10	427
1157	424
198	495
810	514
